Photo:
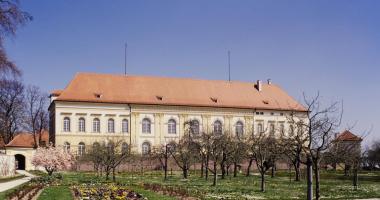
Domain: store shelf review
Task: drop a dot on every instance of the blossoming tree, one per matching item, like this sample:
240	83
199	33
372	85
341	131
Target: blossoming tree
52	159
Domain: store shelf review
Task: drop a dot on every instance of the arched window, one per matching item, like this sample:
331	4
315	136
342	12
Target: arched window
124	148
218	129
111	126
96	125
81	148
172	126
271	129
145	148
124	126
81	125
282	129
291	130
239	129
146	125
66	124
95	146
260	128
66	147
194	127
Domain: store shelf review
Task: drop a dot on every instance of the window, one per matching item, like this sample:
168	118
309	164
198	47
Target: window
111	126
95	146
172	126
239	129
194	127
146	125
81	149
282	128
145	148
66	147
271	129
124	126
96	125
218	129
124	148
81	125
66	124
259	128
291	130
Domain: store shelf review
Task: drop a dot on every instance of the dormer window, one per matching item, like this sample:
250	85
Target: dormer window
265	102
98	95
159	98
213	99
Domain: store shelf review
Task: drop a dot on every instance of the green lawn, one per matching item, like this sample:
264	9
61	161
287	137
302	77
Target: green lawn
56	193
333	186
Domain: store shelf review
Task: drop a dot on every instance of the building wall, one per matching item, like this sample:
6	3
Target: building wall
158	115
26	152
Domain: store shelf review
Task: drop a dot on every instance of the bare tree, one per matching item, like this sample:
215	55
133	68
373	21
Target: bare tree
294	145
11	108
108	157
238	153
11	18
36	118
184	153
319	125
163	153
262	148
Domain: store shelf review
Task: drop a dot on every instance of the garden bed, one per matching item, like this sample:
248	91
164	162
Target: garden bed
105	191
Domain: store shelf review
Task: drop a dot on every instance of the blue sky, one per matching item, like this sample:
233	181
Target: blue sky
304	46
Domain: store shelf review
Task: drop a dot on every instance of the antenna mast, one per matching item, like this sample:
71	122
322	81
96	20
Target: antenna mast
229	66
125	59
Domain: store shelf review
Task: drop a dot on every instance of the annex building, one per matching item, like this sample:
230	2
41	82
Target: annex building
146	111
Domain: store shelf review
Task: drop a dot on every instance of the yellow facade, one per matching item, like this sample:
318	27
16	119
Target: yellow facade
158	115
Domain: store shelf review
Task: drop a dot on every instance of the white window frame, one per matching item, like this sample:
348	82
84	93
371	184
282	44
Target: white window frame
172	126
111	125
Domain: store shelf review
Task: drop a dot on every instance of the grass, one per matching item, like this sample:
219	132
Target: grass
333	186
56	193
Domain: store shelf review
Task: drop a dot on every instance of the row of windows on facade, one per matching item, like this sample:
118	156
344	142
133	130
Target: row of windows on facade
172	126
95	125
145	147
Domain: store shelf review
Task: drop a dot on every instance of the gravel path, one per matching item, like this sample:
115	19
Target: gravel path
14	183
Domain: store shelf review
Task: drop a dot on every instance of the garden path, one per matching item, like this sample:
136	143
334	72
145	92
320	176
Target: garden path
11	184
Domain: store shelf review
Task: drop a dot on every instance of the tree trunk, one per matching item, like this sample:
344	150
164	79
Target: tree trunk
297	170
223	168
166	168
309	178
202	166
113	174
272	173
249	167
235	169
215	174
207	162
184	171
316	175
355	178
262	181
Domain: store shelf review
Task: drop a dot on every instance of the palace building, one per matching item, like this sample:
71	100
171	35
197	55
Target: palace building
146	111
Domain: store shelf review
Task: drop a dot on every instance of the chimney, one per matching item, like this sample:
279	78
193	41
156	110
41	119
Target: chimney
269	81
259	85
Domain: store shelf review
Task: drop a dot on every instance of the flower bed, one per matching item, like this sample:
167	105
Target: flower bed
105	191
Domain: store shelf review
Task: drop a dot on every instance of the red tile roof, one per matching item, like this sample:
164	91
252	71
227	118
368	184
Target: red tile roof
27	140
107	88
348	136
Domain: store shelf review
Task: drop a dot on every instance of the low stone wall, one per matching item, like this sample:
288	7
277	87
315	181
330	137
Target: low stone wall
7	165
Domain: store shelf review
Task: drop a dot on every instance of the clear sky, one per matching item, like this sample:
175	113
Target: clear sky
305	46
